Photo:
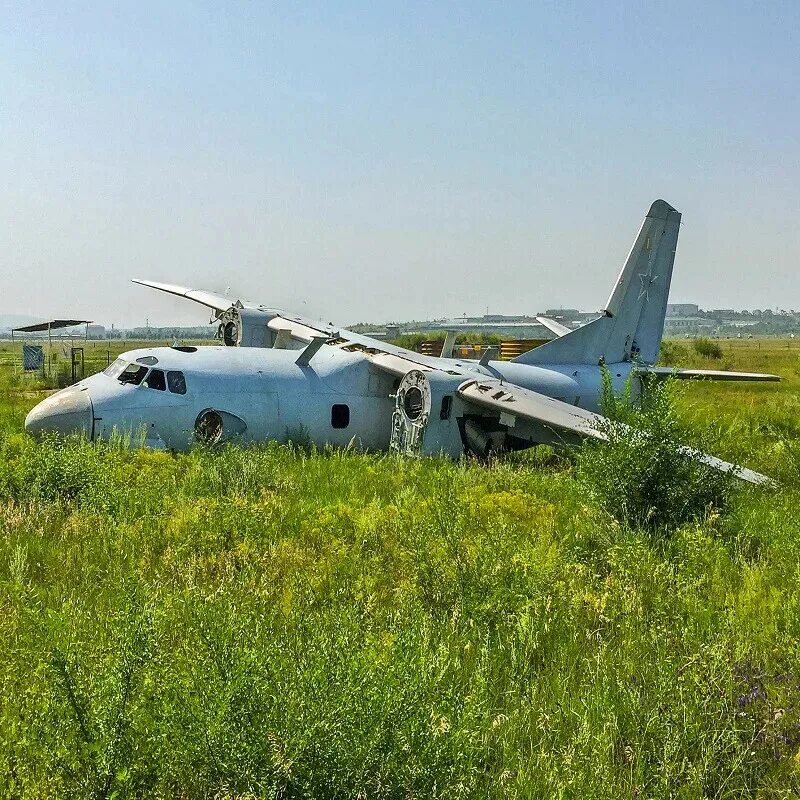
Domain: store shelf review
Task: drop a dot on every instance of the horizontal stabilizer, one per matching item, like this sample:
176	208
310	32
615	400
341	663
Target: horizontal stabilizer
662	373
554	327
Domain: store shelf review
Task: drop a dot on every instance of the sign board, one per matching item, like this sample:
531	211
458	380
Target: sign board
32	357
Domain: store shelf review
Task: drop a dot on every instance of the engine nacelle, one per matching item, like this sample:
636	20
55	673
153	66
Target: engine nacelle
426	415
431	418
245	327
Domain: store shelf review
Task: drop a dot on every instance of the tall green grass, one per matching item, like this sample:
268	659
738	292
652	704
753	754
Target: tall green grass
269	623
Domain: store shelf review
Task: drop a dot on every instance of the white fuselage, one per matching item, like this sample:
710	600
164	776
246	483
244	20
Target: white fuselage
263	394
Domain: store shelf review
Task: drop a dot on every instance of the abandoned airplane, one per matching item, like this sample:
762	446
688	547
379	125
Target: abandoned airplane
280	377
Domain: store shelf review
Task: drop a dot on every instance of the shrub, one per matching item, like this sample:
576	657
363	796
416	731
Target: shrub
672	354
706	348
639	474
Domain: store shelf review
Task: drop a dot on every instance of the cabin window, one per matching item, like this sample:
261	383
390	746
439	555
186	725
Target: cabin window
447	407
133	373
155	380
340	415
176	382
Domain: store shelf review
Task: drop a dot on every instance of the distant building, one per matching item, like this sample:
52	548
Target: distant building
562	313
492	318
675	325
95	331
682	309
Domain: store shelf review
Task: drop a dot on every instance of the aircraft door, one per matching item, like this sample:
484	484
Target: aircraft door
411	413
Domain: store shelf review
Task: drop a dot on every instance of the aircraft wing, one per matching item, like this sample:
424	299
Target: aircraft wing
662	373
562	418
506	398
554	327
397	359
749	475
216	301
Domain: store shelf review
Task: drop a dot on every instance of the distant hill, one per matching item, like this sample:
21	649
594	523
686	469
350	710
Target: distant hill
8	321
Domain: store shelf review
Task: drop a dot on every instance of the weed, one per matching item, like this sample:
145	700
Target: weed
707	348
672	353
639	473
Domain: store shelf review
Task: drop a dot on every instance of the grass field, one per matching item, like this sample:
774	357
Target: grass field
268	623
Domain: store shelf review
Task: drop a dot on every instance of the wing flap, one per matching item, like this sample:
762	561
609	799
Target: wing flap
397	365
284	327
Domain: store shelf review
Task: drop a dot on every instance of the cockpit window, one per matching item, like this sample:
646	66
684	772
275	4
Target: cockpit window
155	380
114	370
133	373
176	382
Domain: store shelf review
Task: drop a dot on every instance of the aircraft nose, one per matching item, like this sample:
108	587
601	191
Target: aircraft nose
65	412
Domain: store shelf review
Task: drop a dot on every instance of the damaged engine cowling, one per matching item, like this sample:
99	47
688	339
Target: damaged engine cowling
245	327
430	418
411	413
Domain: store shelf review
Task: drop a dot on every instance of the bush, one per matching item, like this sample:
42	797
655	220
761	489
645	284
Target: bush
672	354
639	474
706	348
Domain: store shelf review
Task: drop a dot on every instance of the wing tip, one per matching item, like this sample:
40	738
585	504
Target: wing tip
149	284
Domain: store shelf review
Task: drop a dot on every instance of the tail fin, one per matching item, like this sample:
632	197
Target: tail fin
632	323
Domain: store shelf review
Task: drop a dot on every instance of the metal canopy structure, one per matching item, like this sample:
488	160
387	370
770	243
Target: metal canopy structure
48	327
51	325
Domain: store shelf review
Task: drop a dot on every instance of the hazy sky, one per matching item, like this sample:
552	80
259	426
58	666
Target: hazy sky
357	162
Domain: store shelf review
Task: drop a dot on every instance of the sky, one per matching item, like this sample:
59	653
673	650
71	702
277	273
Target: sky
374	162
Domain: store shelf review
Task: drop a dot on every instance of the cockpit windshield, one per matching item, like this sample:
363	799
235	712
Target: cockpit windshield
114	370
133	373
138	374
